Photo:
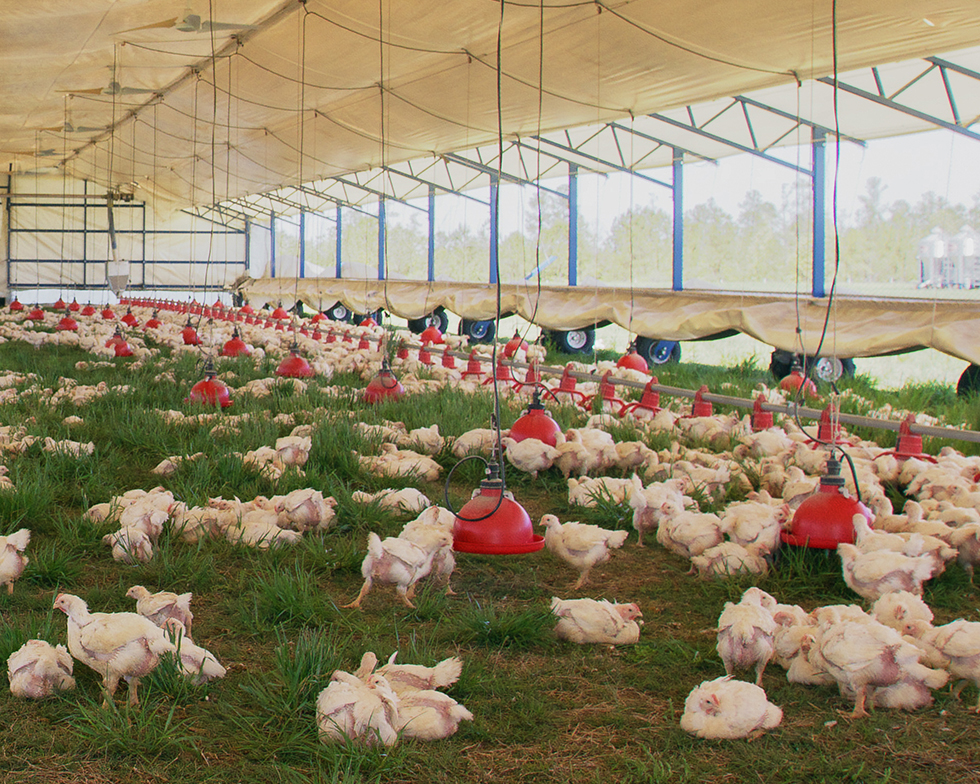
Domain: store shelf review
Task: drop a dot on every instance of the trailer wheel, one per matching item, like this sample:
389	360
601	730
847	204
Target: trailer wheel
338	312
574	341
477	331
658	352
969	383
438	318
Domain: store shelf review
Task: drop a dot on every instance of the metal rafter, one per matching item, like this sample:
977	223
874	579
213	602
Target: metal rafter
485	168
568	148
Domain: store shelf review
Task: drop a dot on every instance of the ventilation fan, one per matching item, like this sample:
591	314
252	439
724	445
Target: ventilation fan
191	23
113	88
67	127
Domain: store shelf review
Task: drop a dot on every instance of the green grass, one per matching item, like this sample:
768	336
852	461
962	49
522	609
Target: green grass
546	710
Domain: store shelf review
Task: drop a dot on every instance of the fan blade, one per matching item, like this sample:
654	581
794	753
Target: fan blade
155	26
207	27
135	91
89	91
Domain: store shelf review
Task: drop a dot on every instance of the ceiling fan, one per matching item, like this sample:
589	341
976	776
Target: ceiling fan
67	127
191	23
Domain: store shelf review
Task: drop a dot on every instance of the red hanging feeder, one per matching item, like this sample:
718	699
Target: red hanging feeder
280	312
36	314
129	319
67	323
567	386
59	304
247	309
825	519
368	322
500	373
88	310
515	344
16	305
431	334
107	313
152	322
236	347
795	380
74	307
294	366
210	391
384	386
493	523
536	422
122	349
189	335
115	339
473	366
607	396
633	361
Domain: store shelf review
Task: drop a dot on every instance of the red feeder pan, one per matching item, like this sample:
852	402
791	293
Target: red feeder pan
74	307
491	523
431	334
825	519
795	380
473	366
88	310
515	344
16	305
122	349
537	423
384	386
129	319
153	322
294	366
633	361
211	392
36	314
107	313
236	347
190	336
67	323
116	339
59	305
280	312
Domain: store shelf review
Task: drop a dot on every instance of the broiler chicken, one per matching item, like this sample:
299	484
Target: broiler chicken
197	663
116	645
745	637
38	669
356	710
756	524
876	573
398	562
591	621
408	500
160	606
530	455
129	545
12	558
729	558
655	503
429	715
305	510
690	533
727	709
959	644
580	546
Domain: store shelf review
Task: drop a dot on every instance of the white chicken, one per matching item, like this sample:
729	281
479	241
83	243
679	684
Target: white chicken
591	621
198	664
690	533
423	439
305	510
160	606
580	546
729	558
356	710
405	678
876	573
530	455
656	502
586	491
433	532
12	558
902	611
745	636
38	669
408	500
429	715
756	524
293	451
116	645
959	643
129	545
395	561
727	709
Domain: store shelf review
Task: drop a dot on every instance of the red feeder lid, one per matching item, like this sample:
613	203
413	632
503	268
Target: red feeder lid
825	519
368	322
317	318
115	339
210	392
247	309
153	322
122	349
16	304
88	310
107	313
36	314
74	307
189	335
384	386
280	313
67	323
514	345
294	366
59	305
490	524
129	319
235	347
431	334
633	361
795	380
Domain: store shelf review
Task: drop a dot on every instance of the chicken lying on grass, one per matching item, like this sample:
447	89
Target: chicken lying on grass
355	710
580	546
160	606
197	663
397	562
408	500
38	669
591	621
12	558
727	709
878	572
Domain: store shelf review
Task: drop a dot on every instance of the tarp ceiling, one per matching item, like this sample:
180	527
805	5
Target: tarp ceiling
202	102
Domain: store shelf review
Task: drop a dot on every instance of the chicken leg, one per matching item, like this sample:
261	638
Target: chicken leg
356	604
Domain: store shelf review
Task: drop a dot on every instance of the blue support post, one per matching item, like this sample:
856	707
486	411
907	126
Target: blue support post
431	269
381	239
302	243
338	253
678	234
494	192
572	224
819	147
272	242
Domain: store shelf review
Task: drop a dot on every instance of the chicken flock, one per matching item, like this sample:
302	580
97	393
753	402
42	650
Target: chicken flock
888	654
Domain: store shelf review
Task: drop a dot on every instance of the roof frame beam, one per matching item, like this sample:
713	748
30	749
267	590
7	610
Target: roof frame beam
595	159
505	176
423	181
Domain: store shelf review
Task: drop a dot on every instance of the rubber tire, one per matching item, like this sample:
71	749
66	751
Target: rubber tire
652	351
338	312
781	364
478	331
438	317
573	341
969	383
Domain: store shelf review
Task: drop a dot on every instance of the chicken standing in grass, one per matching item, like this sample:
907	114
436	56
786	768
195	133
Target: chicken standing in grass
116	645
724	709
874	574
12	558
745	636
395	561
160	606
197	663
581	546
38	669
